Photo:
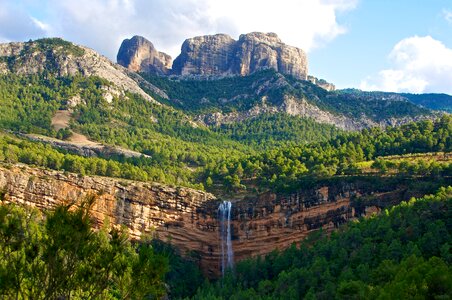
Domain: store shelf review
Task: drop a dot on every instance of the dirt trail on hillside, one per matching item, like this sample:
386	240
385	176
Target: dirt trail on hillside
61	120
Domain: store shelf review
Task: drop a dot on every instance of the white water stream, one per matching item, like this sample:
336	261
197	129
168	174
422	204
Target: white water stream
227	254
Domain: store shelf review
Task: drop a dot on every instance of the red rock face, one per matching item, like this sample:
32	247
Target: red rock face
188	218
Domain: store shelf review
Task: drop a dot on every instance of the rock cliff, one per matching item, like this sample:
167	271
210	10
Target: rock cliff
139	55
188	218
206	55
221	55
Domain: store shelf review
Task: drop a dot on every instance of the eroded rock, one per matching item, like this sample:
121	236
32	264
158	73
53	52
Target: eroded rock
139	55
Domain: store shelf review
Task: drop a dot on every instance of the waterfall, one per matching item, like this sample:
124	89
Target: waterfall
224	217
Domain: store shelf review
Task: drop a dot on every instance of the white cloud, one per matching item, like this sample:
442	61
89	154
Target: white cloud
103	24
420	64
447	15
43	26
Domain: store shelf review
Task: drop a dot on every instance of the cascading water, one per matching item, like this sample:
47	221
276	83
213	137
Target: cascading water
227	255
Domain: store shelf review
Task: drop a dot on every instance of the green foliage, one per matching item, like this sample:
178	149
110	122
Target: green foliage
64	134
184	276
420	167
283	168
58	44
404	253
210	95
13	150
165	134
270	131
28	103
60	256
183	154
377	106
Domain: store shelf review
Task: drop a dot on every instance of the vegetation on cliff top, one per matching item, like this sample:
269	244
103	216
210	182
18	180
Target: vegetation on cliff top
50	47
282	168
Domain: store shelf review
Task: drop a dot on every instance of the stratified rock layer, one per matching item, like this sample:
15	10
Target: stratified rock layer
188	218
221	55
139	55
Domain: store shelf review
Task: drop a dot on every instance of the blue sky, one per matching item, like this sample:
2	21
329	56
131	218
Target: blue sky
392	45
373	29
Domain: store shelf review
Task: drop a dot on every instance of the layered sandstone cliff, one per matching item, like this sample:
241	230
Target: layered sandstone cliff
139	55
188	218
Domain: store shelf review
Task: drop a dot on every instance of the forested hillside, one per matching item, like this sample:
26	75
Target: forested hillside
200	96
432	101
284	167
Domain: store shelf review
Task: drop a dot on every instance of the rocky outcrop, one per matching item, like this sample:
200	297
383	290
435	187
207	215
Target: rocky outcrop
84	148
322	83
139	55
290	105
257	51
181	216
206	55
64	59
221	55
302	108
188	218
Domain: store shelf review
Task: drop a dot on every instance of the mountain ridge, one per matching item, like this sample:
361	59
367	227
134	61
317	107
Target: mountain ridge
64	58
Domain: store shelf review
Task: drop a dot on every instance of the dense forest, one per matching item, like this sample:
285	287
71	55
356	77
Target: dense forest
433	101
178	149
280	168
283	167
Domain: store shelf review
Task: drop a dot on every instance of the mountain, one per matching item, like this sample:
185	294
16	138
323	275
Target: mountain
217	55
237	98
221	55
218	80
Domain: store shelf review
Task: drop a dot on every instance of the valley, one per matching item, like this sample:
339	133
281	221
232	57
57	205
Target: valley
232	155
